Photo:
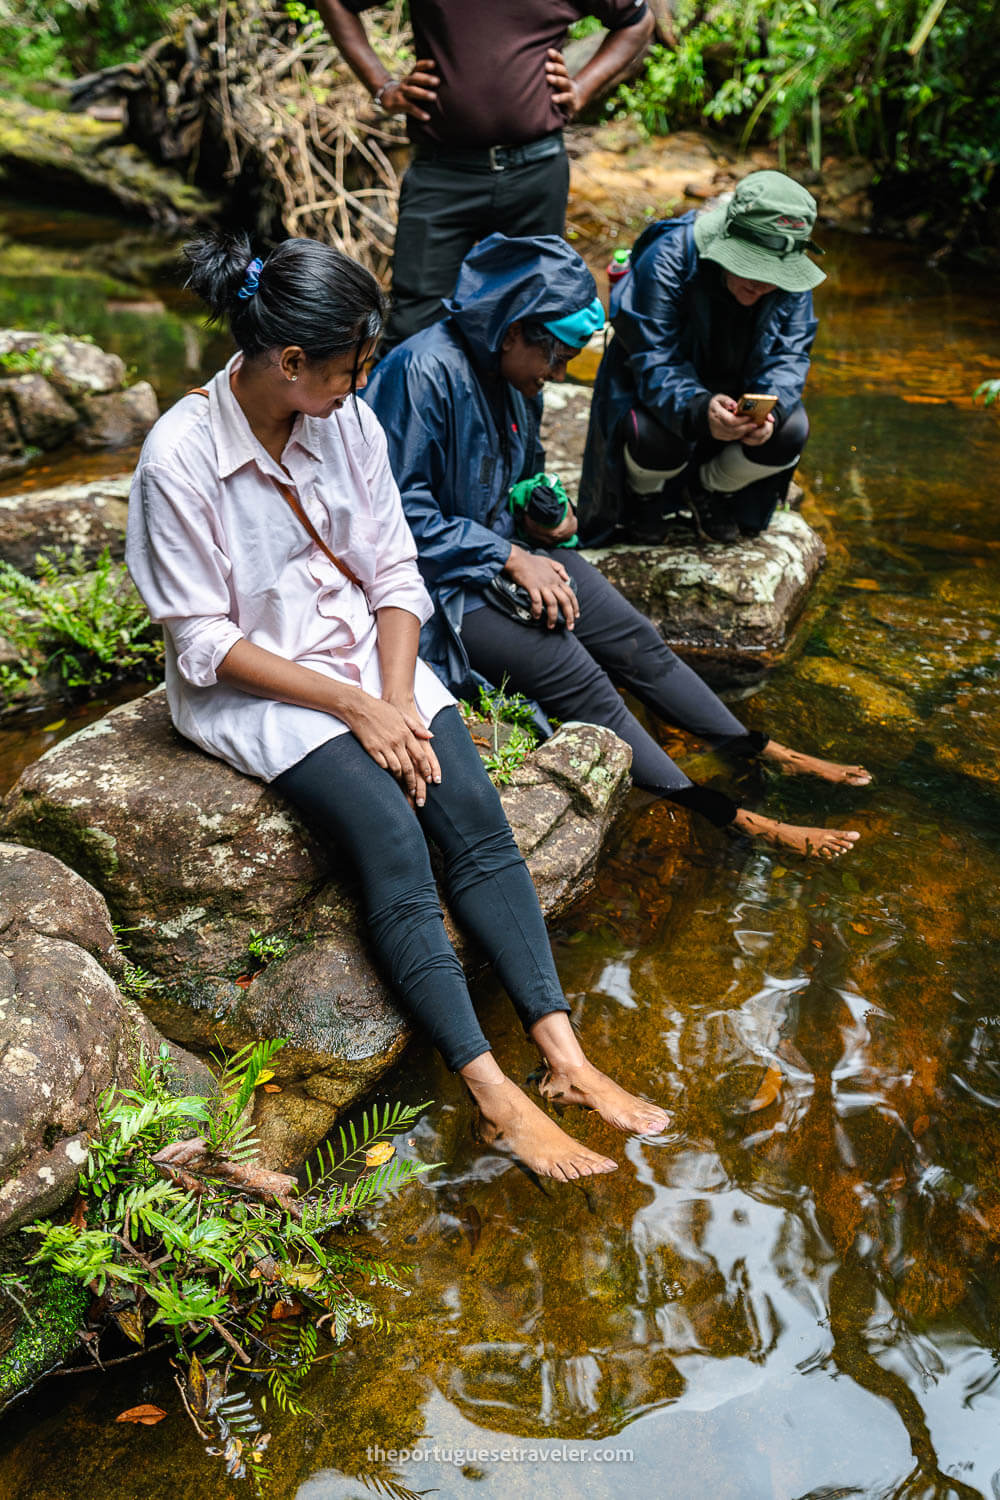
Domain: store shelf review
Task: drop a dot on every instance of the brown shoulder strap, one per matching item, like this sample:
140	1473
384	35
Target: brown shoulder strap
296	507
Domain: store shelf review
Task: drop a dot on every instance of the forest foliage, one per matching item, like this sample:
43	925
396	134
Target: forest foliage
910	84
248	1279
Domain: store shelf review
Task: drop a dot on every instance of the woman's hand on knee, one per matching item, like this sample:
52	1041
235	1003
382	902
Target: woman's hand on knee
397	741
547	583
425	762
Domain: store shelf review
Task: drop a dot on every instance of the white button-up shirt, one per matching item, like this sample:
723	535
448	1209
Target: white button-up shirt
219	556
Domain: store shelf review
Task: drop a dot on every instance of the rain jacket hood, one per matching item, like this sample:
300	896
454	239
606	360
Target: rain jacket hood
505	280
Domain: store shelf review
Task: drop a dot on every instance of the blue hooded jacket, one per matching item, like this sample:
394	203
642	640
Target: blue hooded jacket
459	435
661	324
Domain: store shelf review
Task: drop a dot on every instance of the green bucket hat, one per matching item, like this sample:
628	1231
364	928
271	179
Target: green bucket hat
762	233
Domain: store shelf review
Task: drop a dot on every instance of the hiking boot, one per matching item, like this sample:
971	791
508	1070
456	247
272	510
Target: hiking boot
644	521
712	515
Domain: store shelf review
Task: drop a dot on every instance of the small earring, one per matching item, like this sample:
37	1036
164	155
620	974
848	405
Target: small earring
293	377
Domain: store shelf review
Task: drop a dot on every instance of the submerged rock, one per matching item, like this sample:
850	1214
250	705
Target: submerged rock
200	861
896	666
66	1032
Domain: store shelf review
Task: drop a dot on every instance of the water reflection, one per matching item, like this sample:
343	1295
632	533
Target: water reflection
795	1293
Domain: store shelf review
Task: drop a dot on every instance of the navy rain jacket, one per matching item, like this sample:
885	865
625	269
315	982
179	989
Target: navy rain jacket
661	324
453	467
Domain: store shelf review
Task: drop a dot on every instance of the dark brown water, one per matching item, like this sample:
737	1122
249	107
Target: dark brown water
796	1293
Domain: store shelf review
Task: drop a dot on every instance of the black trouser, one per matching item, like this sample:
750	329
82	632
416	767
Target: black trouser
654	447
445	208
362	810
576	674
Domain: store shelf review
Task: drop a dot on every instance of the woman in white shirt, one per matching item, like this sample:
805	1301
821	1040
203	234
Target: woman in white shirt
266	536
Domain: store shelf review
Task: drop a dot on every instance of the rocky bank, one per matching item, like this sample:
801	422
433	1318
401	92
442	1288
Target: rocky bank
55	389
197	860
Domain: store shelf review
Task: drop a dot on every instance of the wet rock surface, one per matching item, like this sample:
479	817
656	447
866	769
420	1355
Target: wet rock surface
83	517
728	609
66	1032
198	860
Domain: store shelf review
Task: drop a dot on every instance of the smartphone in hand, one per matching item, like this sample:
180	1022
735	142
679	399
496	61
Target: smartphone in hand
756	407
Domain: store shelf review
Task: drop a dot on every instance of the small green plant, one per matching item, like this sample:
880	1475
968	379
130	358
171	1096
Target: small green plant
266	949
505	758
88	624
513	730
24	361
188	1242
989	391
586	26
302	15
135	981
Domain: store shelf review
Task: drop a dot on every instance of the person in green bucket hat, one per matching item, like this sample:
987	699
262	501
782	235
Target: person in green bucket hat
717	305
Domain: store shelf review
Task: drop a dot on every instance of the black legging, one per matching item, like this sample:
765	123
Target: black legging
362	809
576	674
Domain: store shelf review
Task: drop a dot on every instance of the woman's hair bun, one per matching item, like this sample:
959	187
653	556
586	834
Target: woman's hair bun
218	266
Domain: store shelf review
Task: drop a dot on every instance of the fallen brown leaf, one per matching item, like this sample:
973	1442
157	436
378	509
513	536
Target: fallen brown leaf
769	1089
379	1154
147	1416
286	1310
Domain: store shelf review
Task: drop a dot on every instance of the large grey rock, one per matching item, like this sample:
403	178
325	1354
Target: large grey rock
66	1033
729	609
44	417
78	368
195	858
118	418
85	516
58	388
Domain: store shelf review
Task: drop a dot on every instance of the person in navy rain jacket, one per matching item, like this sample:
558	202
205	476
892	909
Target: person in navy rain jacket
716	305
460	403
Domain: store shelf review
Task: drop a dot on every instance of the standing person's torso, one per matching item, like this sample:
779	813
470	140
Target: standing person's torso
490	56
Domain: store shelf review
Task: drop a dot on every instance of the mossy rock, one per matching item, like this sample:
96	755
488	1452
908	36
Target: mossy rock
31	1346
61	154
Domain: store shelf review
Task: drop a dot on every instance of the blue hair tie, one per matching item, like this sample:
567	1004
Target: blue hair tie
252	281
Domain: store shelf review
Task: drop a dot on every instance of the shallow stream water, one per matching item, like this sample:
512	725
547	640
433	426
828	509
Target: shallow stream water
795	1293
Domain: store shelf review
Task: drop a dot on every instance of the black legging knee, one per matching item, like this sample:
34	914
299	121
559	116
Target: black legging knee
362	810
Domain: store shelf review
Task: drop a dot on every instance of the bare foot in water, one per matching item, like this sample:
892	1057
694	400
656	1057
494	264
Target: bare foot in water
587	1085
794	763
823	843
511	1122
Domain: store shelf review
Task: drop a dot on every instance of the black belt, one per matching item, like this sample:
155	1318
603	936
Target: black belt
493	158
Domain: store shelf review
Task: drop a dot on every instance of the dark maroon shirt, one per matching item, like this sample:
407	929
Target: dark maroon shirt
490	57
